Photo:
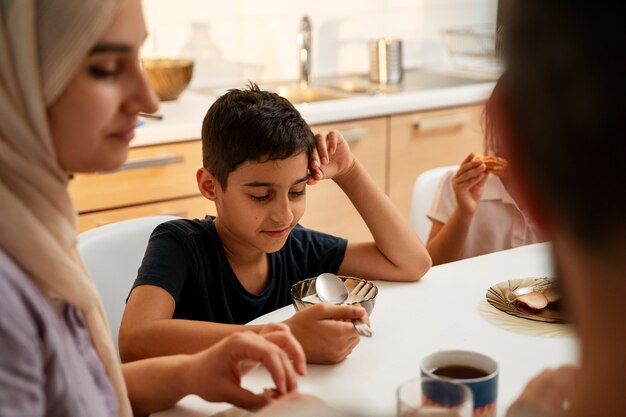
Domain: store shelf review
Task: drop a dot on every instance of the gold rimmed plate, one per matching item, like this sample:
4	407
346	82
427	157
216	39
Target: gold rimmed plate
504	294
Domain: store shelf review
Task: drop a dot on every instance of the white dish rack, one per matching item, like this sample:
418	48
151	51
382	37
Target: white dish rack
474	48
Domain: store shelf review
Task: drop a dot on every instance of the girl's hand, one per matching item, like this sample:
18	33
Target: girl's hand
331	158
468	184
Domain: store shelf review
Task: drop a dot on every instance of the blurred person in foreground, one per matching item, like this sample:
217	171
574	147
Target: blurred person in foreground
563	100
71	86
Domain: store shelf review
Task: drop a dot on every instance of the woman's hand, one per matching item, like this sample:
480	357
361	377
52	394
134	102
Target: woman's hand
331	158
215	373
546	395
468	184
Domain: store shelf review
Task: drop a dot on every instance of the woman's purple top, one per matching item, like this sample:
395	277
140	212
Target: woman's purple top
48	366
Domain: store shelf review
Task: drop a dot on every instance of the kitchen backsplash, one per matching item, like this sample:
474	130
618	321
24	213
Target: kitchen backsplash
233	41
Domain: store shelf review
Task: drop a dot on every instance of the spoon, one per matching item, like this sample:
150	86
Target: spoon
330	289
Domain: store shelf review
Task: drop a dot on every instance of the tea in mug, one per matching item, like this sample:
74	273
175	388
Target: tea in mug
459	372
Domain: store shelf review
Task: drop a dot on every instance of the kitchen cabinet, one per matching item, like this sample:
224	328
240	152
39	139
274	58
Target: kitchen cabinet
328	209
424	140
154	180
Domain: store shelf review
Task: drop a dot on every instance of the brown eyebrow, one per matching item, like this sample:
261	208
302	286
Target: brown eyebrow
110	47
269	184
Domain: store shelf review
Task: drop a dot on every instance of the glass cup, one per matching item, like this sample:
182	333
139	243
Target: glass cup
432	397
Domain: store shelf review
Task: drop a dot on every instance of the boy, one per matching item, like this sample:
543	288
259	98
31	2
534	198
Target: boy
201	280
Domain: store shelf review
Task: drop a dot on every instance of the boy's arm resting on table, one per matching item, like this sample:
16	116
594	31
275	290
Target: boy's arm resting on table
148	329
215	374
396	254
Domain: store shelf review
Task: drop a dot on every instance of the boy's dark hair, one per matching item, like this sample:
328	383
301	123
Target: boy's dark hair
251	125
566	86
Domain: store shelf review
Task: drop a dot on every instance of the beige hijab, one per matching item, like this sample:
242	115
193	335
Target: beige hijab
42	43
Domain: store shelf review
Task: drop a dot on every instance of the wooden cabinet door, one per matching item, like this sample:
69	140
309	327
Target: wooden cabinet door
424	140
328	209
151	173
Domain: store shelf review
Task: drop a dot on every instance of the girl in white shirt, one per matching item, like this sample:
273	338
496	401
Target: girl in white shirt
474	211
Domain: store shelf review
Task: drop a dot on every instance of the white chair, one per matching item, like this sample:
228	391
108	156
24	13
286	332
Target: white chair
113	254
424	191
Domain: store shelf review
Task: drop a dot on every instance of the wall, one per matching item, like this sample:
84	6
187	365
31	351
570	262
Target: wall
233	41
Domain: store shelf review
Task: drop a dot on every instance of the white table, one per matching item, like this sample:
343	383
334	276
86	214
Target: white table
445	310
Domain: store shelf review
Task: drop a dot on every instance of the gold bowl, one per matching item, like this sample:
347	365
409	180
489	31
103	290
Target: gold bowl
168	77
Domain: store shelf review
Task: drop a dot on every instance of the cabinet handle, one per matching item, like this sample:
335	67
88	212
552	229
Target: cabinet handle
448	121
355	134
155	161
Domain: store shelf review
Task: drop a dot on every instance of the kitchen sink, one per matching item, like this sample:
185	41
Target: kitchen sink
334	88
298	95
361	86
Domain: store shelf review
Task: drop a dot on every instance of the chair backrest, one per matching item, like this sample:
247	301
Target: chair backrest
113	254
424	191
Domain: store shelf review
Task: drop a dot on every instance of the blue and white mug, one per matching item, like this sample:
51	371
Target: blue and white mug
477	371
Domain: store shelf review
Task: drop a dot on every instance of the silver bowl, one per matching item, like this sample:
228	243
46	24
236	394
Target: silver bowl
361	293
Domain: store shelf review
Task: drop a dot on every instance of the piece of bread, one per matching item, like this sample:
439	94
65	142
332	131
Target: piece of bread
534	300
271	394
494	164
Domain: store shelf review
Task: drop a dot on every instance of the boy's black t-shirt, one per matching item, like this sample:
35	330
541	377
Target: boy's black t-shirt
186	258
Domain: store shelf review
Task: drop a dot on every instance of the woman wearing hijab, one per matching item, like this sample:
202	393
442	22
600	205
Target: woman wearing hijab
71	86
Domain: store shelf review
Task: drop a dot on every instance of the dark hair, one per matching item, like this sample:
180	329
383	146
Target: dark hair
251	125
565	89
490	120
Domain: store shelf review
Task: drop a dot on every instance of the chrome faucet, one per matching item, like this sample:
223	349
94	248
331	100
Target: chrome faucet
304	51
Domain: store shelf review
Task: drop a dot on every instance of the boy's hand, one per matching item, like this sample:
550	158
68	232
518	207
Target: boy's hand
331	158
468	184
215	373
326	331
546	395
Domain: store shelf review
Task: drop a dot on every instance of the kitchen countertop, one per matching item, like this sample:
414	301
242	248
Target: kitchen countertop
420	90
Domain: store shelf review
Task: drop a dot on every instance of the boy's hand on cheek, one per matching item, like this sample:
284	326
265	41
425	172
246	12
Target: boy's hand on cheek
331	158
326	332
